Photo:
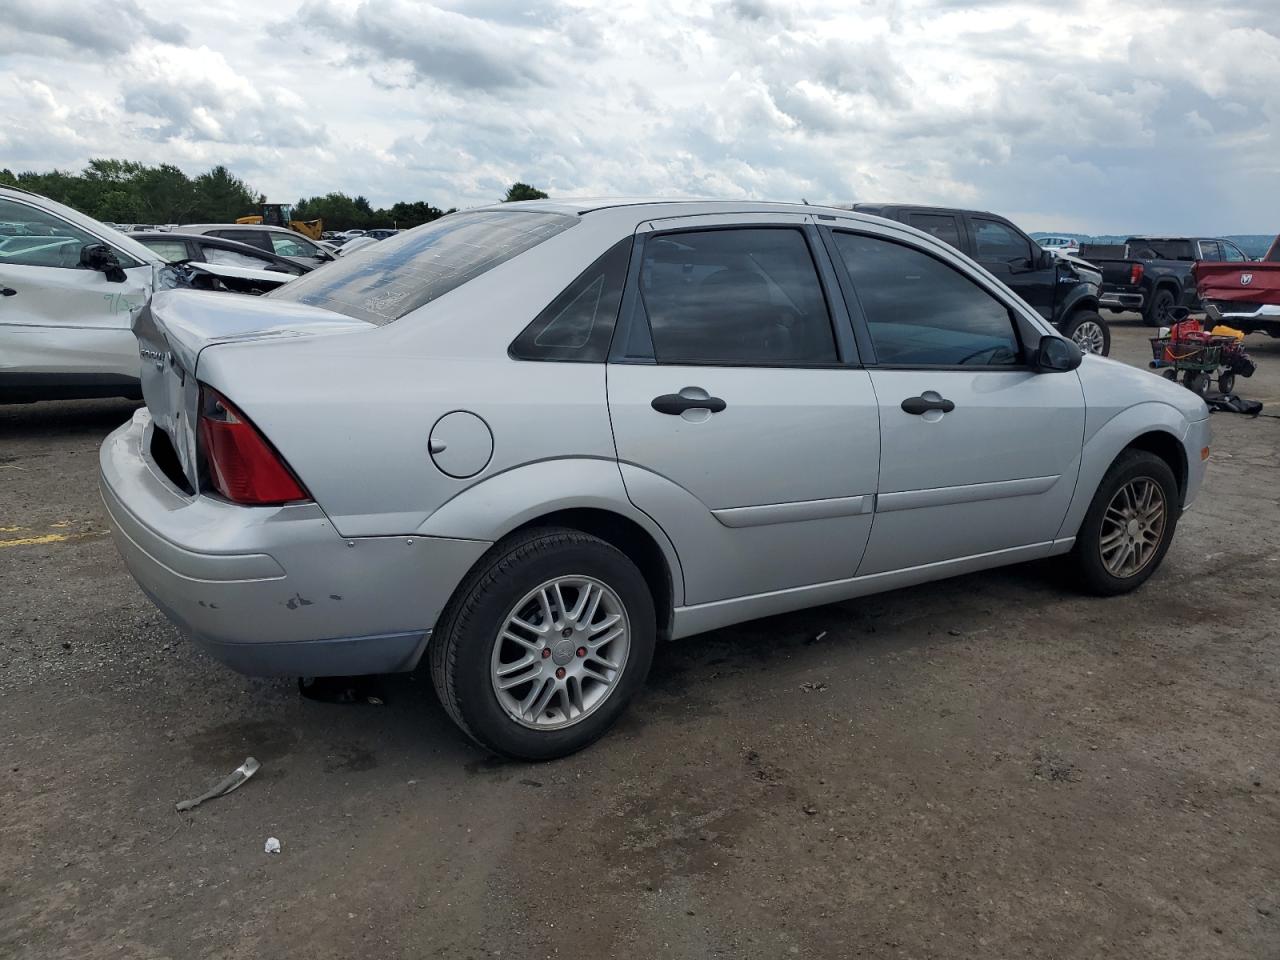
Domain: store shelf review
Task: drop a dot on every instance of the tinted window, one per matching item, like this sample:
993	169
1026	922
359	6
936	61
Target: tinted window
997	241
579	322
33	238
167	250
1209	250
1161	249
735	296
1231	253
384	281
255	238
921	311
944	228
287	246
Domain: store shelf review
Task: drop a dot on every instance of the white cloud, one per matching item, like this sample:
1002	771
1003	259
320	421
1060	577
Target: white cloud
1099	116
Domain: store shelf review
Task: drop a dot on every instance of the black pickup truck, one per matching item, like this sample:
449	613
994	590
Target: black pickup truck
1152	274
1062	289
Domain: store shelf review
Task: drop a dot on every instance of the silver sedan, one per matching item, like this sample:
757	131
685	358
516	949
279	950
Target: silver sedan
524	443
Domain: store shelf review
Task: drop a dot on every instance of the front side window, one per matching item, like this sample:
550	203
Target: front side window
30	237
738	296
1231	253
1209	250
998	241
255	238
943	227
922	312
382	282
287	246
237	258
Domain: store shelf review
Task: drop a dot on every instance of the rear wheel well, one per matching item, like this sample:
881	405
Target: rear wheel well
633	540
1169	449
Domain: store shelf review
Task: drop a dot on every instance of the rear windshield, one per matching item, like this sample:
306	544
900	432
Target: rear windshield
388	279
1144	249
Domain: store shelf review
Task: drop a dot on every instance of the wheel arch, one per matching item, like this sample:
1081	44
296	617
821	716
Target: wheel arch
585	494
1152	426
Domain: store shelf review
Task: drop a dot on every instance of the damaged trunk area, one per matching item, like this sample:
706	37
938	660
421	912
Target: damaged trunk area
172	331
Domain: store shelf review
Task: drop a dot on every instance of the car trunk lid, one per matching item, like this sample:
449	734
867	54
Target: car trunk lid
178	325
1239	282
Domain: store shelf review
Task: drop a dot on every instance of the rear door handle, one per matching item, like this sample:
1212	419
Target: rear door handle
8	292
919	405
675	404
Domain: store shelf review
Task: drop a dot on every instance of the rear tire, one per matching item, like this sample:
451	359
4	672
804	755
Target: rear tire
1121	543
1089	331
473	651
1157	312
1226	383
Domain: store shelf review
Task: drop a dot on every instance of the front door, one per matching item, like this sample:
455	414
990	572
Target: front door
61	323
741	426
1016	261
978	453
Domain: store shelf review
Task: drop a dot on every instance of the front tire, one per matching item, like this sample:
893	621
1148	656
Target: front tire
1129	526
1090	332
544	644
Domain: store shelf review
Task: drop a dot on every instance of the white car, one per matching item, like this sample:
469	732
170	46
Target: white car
1060	245
69	289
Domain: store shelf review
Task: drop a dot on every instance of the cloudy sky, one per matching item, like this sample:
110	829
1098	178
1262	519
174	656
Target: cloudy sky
1090	115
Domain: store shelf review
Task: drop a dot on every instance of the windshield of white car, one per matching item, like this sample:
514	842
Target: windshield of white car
389	278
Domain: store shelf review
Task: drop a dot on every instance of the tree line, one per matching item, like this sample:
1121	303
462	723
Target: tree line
124	191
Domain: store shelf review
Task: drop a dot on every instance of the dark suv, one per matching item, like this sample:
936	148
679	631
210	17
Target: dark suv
1063	290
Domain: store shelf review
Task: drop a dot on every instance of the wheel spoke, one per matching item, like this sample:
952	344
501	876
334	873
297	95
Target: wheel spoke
542	635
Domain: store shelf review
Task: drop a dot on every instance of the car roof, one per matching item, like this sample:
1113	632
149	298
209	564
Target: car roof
1143	236
203	227
923	207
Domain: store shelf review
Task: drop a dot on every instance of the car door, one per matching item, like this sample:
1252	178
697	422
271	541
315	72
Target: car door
1016	260
978	453
62	323
742	422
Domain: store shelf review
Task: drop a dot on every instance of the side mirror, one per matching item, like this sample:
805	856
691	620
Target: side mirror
1057	355
1048	259
100	257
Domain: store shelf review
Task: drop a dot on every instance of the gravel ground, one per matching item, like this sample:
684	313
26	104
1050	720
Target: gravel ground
992	766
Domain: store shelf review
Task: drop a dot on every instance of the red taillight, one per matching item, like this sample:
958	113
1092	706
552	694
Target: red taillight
1135	274
245	468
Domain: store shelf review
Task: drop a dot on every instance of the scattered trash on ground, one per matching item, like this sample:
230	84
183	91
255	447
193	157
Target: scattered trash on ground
272	845
342	690
236	777
813	686
820	636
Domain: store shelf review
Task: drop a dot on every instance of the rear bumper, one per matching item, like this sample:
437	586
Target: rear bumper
1121	298
1246	316
275	590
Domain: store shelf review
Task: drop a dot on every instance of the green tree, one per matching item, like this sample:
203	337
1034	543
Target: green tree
165	194
523	191
221	197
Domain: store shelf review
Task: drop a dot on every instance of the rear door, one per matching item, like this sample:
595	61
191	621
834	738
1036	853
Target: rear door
61	323
1016	260
743	423
978	453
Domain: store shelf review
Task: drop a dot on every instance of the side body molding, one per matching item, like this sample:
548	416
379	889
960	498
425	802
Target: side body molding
491	509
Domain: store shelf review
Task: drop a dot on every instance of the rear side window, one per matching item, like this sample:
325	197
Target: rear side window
922	312
385	280
943	227
1210	250
578	324
741	296
1231	253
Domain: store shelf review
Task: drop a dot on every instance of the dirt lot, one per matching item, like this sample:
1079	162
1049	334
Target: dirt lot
988	767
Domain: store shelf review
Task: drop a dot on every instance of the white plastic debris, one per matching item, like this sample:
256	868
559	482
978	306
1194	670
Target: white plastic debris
234	779
273	845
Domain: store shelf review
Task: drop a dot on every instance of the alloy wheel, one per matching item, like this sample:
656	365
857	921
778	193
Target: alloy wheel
561	652
1132	527
1089	337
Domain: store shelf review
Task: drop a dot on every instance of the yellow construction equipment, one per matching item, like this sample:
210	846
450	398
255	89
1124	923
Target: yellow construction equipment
281	215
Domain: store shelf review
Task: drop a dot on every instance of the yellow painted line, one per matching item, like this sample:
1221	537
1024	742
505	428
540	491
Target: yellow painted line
51	538
11	529
31	541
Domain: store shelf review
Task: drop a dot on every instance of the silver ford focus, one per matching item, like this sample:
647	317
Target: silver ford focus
526	442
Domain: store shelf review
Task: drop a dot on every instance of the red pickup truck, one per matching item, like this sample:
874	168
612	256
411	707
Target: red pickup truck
1243	295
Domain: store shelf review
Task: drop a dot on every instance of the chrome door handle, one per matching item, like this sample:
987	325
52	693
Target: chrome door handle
919	405
674	404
